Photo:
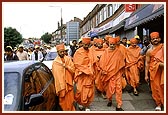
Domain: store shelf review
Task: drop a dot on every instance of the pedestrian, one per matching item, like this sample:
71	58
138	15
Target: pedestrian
99	50
22	55
37	54
146	45
84	75
111	69
9	54
105	44
139	42
63	70
73	47
134	63
123	50
124	41
80	43
155	66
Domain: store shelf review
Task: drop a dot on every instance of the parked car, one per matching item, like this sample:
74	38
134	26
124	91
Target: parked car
50	57
29	86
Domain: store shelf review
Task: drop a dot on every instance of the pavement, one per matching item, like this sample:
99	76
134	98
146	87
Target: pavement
142	102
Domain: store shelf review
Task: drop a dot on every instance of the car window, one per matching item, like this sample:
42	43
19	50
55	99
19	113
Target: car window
51	55
12	91
35	83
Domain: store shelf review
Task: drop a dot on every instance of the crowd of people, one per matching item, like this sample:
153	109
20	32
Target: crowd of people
106	65
22	53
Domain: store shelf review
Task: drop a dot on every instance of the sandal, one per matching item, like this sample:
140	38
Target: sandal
109	104
158	108
135	93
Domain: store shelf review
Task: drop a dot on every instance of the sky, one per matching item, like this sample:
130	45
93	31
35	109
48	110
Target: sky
33	19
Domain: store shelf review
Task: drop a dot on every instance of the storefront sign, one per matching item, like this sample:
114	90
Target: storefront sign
147	12
130	7
105	27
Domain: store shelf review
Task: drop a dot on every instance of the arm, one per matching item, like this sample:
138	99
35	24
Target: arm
147	65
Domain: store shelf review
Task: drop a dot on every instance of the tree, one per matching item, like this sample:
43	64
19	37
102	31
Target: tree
46	37
12	37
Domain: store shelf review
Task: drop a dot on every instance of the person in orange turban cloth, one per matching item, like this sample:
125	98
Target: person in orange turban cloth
93	44
105	45
99	50
155	66
111	70
84	75
63	71
134	63
123	49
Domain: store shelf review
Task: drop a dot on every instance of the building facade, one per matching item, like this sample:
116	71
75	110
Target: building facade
124	20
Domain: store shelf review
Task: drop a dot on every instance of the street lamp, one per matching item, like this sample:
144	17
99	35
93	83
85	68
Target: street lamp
61	20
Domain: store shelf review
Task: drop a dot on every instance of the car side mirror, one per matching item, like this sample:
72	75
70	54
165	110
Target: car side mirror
35	99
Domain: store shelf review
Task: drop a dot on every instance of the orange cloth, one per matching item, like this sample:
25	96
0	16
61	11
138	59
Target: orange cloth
134	63
117	38
133	40
123	50
64	81
86	40
112	40
60	47
156	74
111	68
84	76
154	35
97	55
99	41
107	37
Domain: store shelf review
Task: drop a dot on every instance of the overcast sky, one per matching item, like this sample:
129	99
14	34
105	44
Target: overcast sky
33	19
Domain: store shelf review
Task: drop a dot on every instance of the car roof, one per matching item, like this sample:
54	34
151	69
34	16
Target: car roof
17	66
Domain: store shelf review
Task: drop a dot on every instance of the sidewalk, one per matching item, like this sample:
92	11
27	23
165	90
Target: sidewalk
143	102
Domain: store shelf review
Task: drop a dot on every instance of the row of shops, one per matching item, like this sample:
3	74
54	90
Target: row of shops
142	22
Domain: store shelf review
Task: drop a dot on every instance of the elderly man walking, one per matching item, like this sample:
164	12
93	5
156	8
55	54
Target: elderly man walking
112	69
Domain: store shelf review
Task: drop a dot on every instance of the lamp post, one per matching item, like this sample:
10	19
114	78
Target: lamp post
61	21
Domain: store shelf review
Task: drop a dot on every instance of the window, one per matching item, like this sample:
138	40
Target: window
105	12
110	10
115	7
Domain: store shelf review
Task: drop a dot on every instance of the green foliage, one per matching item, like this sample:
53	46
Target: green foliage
46	37
12	37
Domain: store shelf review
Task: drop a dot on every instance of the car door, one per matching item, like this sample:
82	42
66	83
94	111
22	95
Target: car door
39	89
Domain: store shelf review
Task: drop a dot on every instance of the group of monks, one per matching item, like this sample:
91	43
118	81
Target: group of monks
107	66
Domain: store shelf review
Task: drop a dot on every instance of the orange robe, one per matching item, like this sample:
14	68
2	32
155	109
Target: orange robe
123	50
84	76
111	64
98	53
64	82
134	63
156	74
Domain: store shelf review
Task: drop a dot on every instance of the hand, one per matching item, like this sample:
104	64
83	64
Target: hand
64	65
161	64
147	79
103	72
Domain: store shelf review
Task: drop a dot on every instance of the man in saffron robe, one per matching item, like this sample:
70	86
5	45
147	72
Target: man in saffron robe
111	64
134	63
155	66
99	50
84	74
63	70
106	44
123	49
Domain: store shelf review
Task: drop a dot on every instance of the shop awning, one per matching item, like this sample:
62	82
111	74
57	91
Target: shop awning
118	26
146	13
